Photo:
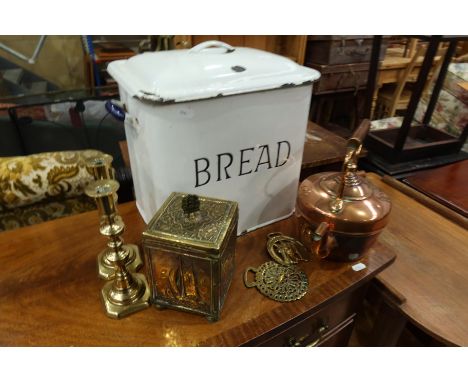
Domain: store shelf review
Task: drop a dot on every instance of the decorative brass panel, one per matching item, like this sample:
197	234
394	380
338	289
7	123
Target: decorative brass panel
204	230
182	281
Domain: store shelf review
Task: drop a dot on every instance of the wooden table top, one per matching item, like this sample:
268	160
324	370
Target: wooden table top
396	62
431	270
322	147
446	184
50	292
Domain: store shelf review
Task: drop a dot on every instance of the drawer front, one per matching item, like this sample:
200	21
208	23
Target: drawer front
330	326
345	51
338	336
351	80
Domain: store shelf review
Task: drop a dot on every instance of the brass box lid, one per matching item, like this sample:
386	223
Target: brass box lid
206	231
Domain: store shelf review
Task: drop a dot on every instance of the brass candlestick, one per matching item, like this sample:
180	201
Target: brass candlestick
128	292
100	168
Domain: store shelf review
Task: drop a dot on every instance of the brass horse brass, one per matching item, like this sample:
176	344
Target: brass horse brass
278	282
286	250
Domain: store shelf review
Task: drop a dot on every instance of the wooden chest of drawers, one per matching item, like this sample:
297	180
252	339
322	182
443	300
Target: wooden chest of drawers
329	326
332	50
340	78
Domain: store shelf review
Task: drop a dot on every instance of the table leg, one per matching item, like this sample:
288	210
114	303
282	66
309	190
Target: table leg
388	326
374	103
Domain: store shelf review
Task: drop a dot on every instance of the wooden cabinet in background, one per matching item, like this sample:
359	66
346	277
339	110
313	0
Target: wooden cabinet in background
292	47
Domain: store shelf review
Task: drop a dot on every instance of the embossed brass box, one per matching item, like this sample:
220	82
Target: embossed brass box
190	247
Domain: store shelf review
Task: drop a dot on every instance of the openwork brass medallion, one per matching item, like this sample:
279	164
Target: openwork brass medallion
286	250
278	282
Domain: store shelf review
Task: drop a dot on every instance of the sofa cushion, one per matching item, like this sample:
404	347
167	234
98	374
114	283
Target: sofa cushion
26	180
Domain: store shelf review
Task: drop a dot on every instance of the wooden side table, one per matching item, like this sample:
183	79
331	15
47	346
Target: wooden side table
428	283
50	294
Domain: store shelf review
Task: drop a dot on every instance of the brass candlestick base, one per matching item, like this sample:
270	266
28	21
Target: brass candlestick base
130	254
124	298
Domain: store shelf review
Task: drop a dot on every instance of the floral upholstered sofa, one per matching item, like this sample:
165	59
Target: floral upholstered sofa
451	111
41	187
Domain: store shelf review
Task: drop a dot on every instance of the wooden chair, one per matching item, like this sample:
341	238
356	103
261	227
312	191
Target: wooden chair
435	71
394	98
411	47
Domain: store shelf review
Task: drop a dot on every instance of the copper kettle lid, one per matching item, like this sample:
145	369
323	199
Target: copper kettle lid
355	187
348	202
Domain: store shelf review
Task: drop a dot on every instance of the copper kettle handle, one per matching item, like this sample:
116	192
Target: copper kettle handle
319	240
353	148
354	143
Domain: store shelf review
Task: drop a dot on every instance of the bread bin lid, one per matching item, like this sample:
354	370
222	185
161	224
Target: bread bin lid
365	208
210	69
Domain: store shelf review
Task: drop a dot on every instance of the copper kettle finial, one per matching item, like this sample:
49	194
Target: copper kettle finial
349	177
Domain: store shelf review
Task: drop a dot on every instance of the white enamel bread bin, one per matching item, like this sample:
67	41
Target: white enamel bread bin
216	121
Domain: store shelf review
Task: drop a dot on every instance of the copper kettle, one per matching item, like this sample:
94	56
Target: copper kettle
342	213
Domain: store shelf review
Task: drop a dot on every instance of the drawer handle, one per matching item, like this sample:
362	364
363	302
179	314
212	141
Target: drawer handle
300	342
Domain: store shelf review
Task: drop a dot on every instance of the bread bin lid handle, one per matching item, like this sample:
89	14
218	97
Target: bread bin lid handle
205	46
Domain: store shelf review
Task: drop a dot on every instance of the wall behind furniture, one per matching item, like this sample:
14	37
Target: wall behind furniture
61	60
